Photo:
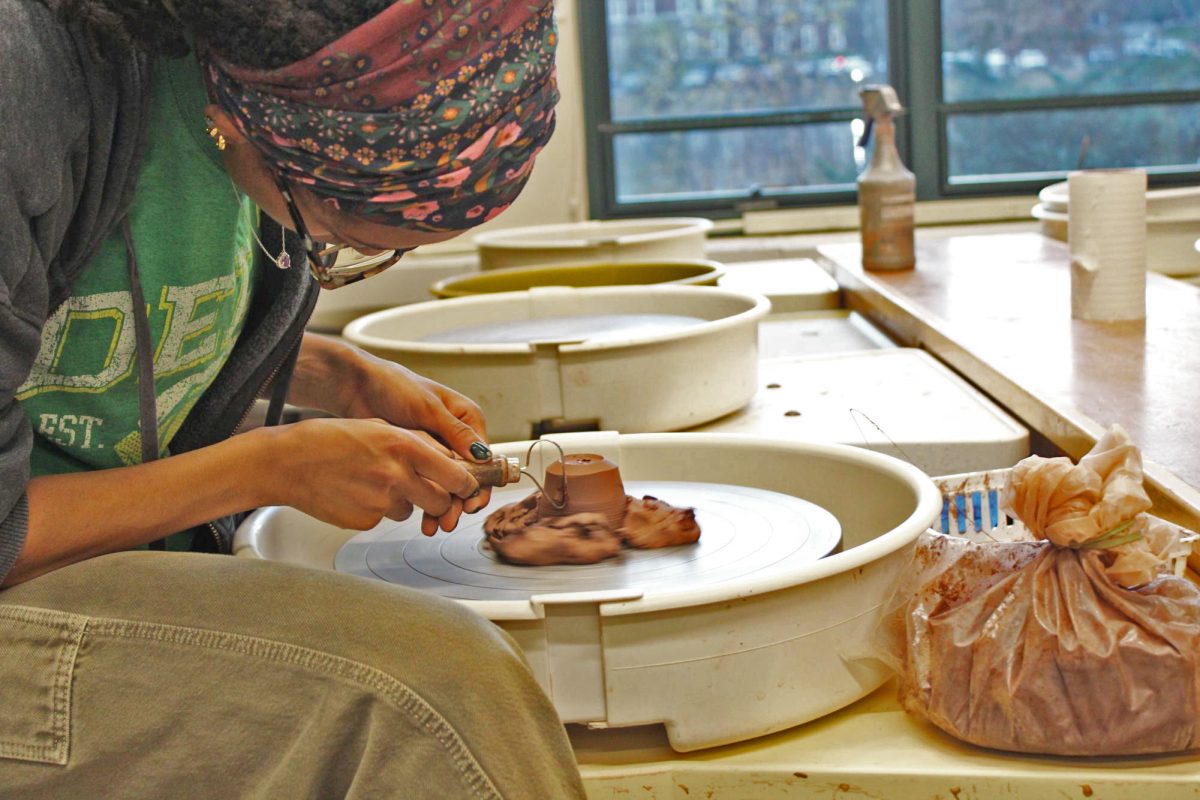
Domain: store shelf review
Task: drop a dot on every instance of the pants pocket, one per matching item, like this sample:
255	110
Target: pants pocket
37	663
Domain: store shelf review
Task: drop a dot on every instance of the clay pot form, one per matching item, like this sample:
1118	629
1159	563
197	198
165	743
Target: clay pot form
593	485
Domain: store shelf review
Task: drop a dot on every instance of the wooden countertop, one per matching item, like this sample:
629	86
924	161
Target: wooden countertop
997	308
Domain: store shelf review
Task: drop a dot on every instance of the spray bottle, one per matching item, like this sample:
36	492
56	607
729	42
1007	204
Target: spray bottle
886	189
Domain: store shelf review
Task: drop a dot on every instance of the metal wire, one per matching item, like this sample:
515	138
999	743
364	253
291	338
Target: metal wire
562	503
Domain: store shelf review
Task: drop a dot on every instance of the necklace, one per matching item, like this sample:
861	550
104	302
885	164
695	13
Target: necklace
283	260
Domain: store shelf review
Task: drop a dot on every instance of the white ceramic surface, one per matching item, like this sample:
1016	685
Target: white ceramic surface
715	662
636	382
594	240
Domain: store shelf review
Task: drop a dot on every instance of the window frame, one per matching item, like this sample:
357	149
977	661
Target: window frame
915	70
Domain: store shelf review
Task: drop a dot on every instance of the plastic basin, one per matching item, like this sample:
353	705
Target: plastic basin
610	273
593	241
635	381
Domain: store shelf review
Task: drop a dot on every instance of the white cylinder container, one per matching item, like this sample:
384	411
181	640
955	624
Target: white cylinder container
1107	239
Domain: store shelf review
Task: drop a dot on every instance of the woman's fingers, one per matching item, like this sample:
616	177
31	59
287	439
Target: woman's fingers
400	510
473	504
432	441
457	421
447	522
444	473
353	473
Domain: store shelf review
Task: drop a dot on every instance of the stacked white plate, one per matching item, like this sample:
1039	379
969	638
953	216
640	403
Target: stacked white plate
1172	225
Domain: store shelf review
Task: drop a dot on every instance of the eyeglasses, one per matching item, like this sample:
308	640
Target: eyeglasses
340	264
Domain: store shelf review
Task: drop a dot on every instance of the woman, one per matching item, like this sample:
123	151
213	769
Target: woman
138	140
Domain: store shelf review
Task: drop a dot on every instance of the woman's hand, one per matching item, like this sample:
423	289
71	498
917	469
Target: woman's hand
350	473
346	381
353	473
389	391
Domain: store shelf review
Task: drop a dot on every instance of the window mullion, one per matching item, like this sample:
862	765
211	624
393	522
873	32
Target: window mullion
593	44
764	119
917	45
1082	101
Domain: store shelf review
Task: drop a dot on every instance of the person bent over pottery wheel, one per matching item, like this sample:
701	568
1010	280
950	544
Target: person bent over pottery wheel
178	180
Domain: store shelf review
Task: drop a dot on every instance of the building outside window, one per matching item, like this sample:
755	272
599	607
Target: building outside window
754	103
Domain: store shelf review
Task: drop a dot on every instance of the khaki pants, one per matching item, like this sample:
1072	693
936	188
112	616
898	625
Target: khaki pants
172	675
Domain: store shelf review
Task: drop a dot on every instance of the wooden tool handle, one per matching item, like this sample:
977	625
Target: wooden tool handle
499	471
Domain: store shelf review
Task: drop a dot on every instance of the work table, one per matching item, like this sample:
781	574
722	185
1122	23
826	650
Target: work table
997	308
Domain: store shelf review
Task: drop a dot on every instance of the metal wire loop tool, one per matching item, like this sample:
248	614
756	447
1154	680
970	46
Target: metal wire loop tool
503	470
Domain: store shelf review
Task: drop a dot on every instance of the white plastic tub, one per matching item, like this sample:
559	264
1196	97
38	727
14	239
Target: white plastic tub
1181	201
633	383
715	663
594	240
1170	241
407	282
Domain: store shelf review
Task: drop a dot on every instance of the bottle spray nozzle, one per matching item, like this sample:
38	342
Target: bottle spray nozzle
865	139
879	102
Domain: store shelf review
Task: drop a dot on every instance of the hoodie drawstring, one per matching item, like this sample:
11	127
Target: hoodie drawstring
147	401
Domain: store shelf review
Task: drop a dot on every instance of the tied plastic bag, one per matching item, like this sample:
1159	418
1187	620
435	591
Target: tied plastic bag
1077	642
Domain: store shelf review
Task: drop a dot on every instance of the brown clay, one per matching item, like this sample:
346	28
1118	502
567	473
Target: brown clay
593	486
650	522
513	518
577	539
598	518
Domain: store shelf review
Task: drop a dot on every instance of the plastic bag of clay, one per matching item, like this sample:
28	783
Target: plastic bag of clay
1080	641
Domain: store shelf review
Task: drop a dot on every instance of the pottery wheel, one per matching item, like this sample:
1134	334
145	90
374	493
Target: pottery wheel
586	327
744	531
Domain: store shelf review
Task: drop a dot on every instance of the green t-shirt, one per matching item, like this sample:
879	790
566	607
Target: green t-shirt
192	236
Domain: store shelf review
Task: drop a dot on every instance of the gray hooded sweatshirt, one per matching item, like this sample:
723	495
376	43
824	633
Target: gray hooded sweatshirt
72	132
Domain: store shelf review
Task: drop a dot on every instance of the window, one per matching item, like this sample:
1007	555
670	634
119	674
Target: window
1037	90
718	106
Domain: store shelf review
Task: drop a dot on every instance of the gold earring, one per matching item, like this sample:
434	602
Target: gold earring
216	134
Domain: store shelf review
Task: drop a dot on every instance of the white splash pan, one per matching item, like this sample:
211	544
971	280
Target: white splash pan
594	240
714	663
405	283
631	381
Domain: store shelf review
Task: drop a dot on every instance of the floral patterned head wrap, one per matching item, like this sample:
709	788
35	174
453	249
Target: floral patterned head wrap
428	116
